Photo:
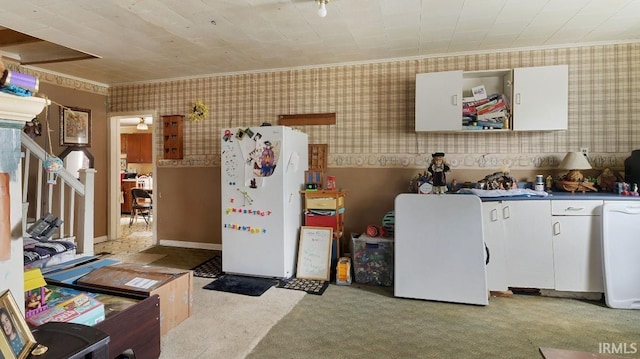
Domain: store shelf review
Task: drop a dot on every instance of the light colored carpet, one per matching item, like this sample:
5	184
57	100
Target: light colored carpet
226	325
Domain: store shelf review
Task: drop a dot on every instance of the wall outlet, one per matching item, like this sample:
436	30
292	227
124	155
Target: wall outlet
585	151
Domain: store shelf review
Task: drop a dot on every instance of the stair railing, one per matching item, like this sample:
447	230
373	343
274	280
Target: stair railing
58	198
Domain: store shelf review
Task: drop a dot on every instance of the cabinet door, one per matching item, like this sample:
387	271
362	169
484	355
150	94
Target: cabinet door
139	148
577	253
529	247
494	238
123	143
540	98
145	148
438	101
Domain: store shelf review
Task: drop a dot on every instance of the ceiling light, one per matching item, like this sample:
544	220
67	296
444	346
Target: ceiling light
322	7
142	126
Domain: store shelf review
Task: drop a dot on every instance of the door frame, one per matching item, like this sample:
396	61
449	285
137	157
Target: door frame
113	212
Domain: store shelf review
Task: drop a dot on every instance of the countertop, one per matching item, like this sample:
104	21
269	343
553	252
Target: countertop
534	195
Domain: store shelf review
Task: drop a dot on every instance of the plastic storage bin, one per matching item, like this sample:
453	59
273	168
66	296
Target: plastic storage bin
372	260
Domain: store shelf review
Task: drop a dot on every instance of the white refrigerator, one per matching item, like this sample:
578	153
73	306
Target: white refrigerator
262	173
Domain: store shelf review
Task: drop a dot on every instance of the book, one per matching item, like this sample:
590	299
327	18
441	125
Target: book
69	305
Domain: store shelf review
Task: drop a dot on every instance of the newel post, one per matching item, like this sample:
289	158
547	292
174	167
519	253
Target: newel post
86	211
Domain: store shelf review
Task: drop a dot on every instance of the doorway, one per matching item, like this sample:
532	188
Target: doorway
119	124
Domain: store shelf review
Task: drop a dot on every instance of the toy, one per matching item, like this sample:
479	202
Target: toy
438	169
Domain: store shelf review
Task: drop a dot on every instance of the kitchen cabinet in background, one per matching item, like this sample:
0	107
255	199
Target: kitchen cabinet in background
127	185
137	146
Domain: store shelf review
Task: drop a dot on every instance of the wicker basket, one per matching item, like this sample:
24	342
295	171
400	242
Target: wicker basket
571	186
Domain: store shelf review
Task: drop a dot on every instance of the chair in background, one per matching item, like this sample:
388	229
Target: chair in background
142	205
143	182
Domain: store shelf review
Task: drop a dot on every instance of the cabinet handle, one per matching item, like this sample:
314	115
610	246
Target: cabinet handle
506	213
574	208
494	215
556	228
518	98
454	100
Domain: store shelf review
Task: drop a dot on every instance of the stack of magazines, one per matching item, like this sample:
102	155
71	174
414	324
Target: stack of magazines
486	114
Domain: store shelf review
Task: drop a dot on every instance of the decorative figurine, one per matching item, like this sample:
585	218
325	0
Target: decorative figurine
438	168
607	180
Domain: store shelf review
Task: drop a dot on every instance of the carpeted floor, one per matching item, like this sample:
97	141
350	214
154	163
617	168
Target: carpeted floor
361	321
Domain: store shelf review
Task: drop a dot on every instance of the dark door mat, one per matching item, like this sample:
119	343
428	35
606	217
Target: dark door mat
310	286
211	268
241	285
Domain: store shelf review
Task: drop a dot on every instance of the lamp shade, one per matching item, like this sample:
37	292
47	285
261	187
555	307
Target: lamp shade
575	161
142	126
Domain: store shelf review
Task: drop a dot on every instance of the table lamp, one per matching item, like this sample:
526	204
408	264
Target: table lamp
574	179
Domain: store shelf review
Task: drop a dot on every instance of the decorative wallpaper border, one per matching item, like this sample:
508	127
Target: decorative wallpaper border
460	161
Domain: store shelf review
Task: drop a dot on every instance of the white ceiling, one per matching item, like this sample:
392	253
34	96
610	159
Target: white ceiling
150	40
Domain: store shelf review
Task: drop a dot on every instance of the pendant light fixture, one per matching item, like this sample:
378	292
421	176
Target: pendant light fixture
142	126
322	7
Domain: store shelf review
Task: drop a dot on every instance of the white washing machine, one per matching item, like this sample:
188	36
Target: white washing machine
621	254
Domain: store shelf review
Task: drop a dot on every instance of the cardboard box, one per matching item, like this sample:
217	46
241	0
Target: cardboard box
173	286
69	305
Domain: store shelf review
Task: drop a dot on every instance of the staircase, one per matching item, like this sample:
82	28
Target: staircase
69	198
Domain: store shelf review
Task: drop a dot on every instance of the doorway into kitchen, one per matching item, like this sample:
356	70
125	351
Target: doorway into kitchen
132	165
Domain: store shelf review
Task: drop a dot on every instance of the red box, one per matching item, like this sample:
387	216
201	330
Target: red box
318	220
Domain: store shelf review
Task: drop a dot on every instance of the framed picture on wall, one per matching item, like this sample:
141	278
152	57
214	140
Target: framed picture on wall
75	127
16	341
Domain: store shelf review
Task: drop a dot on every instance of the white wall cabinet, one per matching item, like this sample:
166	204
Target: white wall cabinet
439	101
577	250
539	97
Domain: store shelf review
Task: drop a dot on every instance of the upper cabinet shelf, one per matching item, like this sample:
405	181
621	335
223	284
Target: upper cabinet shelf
535	99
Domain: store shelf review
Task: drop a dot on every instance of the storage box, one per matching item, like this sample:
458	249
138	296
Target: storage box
174	287
372	260
325	203
328	219
69	305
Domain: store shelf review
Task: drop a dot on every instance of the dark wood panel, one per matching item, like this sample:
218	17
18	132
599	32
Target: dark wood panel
307	119
136	328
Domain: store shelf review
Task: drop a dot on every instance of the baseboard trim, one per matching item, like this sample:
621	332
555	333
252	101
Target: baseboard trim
195	245
100	239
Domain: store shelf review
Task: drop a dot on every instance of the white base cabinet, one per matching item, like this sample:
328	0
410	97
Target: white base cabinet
495	240
529	248
544	244
519	240
577	249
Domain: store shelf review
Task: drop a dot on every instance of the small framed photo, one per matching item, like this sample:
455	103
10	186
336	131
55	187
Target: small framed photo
16	341
75	127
